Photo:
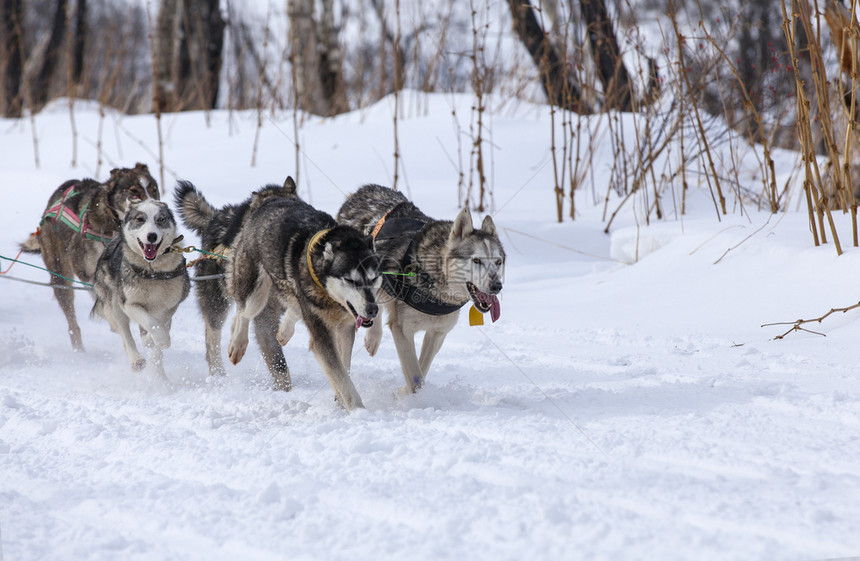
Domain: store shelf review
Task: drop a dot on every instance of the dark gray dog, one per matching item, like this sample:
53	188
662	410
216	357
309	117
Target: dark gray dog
324	274
81	217
139	278
218	229
438	266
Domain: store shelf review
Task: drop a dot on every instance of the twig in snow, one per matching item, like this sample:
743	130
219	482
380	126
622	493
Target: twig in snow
795	325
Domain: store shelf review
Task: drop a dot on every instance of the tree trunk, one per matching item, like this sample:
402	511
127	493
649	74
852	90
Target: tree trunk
607	56
200	54
166	31
189	45
559	85
78	40
11	21
316	58
42	80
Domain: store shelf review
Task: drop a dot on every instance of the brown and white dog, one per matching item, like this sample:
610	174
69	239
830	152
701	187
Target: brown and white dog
81	217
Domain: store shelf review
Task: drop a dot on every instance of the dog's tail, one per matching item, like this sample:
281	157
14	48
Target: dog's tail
194	209
32	245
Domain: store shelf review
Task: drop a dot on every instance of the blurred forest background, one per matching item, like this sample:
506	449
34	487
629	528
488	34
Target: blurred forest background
773	74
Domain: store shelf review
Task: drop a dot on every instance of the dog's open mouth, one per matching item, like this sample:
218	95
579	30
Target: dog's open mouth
360	321
485	302
150	250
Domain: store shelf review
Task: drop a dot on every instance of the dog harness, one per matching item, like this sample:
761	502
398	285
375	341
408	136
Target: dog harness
420	297
153	275
78	223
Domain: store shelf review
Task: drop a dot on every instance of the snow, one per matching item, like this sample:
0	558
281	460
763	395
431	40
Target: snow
627	405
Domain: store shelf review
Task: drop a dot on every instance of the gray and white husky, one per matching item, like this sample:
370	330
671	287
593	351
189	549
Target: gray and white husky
139	278
438	267
322	273
218	229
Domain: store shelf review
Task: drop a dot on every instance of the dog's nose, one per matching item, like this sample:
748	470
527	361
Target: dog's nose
495	286
152	237
371	310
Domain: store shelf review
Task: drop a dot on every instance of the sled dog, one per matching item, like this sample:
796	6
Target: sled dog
442	265
81	217
322	273
139	278
218	229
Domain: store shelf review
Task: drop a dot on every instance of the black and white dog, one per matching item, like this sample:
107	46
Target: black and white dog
293	258
218	229
139	278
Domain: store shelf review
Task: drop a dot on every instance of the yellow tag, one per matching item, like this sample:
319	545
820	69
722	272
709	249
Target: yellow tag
475	317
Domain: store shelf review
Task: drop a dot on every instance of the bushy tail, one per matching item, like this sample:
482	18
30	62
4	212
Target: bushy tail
195	211
32	245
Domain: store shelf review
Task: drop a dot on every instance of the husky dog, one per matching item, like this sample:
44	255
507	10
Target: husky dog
218	229
81	217
139	278
439	266
322	273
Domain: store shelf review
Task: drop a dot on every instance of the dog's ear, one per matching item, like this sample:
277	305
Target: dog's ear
126	208
488	226
290	186
462	225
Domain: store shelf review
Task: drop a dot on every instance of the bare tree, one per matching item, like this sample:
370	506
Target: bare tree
78	40
41	88
559	85
188	47
617	88
11	18
317	58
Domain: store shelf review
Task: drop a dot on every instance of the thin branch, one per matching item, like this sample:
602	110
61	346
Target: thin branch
795	325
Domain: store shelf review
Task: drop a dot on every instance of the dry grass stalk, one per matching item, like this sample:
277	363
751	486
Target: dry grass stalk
816	198
479	83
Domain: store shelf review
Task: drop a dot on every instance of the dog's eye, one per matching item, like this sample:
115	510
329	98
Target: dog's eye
498	262
476	260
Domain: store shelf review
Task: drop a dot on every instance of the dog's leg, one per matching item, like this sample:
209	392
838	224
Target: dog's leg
157	333
345	340
247	309
287	328
57	257
325	349
66	299
214	305
264	329
156	356
119	322
404	342
429	348
373	337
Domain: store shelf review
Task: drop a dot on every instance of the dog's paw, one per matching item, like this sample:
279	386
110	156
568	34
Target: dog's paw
285	334
138	364
372	339
237	349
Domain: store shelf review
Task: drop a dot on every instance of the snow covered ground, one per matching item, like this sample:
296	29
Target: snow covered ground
616	411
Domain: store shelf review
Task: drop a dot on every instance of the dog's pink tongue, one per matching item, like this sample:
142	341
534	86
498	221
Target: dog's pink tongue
150	251
358	321
495	308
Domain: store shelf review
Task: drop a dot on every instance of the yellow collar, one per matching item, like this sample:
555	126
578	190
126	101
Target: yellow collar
316	238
